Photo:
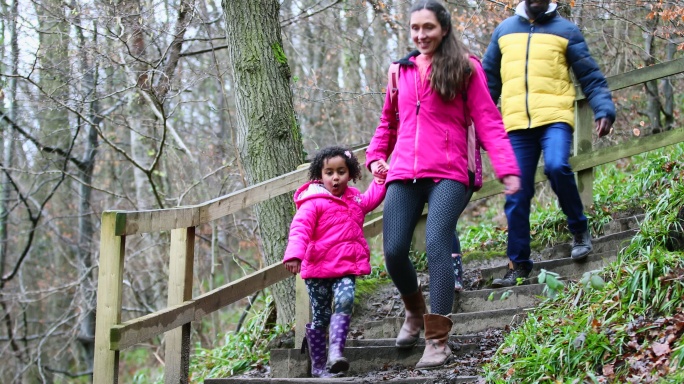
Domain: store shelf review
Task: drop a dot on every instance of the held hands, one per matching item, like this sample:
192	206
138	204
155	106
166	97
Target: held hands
511	184
293	266
379	169
603	126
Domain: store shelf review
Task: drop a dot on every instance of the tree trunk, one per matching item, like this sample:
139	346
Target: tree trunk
268	136
653	98
54	67
54	76
86	226
668	91
8	144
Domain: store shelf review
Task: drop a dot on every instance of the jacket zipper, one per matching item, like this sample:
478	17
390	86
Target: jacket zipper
415	141
527	88
446	147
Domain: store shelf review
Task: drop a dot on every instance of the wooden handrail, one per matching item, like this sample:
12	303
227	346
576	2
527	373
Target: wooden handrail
641	75
146	327
156	220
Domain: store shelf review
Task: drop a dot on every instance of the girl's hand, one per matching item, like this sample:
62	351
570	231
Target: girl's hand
379	169
511	184
293	266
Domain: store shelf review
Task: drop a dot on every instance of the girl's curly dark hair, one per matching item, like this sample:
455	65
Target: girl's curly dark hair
316	167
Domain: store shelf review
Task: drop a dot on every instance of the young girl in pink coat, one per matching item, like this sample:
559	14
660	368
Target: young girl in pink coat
327	247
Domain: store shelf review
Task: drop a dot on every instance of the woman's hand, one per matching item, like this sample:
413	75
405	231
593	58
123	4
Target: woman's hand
379	169
294	266
511	184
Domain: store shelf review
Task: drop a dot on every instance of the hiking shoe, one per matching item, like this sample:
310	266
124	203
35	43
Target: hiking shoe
581	245
515	276
458	271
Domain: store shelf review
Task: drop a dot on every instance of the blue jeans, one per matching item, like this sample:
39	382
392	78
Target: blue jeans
555	141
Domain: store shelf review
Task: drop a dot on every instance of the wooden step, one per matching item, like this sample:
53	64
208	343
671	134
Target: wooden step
464	323
390	342
605	245
368	356
522	296
567	268
472	322
421	379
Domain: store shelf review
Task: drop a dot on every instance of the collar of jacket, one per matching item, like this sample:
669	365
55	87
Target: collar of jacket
548	15
406	59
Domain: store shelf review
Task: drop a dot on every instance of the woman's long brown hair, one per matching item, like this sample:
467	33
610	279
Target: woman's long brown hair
450	63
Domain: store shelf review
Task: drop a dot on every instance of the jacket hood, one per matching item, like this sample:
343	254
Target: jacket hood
520	11
311	190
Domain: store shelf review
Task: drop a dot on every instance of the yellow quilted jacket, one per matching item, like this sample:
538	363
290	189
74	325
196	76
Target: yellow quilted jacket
528	67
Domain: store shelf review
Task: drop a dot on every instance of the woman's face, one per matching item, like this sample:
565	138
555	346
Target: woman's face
426	32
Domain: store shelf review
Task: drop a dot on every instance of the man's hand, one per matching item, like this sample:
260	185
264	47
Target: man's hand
603	126
379	169
511	184
293	266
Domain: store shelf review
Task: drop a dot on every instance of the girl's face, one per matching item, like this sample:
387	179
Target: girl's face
426	32
335	175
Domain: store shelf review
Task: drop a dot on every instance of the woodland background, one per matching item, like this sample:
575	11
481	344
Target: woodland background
131	105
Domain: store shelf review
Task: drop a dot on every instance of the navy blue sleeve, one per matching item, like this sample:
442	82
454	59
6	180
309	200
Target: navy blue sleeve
594	84
491	63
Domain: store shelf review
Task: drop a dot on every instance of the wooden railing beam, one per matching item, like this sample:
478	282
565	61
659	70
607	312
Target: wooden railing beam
643	75
143	328
137	222
597	157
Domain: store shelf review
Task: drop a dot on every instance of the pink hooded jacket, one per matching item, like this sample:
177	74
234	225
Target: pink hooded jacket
431	142
326	233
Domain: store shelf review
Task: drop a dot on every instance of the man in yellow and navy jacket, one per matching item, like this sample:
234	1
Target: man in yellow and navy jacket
528	65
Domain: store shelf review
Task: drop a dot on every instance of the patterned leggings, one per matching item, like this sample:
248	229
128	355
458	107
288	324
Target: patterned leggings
321	294
403	206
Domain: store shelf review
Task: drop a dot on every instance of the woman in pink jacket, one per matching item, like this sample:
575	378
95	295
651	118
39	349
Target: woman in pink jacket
327	247
441	87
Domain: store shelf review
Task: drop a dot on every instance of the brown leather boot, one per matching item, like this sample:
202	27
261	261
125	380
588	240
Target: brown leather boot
437	351
413	323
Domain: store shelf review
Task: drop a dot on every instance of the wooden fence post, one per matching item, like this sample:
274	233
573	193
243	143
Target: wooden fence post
181	262
584	127
109	283
302	310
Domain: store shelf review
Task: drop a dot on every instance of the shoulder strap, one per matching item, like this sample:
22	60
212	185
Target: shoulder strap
474	159
470	73
393	86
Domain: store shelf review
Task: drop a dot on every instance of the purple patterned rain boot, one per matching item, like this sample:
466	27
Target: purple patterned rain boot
315	341
339	327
